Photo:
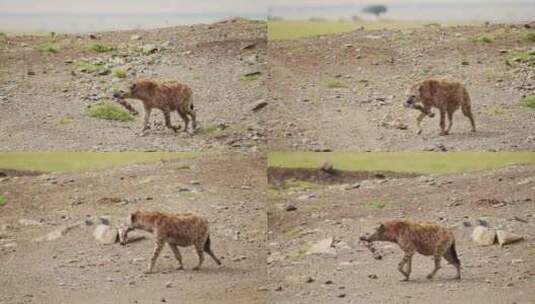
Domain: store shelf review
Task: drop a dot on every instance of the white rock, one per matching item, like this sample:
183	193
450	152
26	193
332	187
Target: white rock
105	234
484	236
505	237
135	37
27	222
324	246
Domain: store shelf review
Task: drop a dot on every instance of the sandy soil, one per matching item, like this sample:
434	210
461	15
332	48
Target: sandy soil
375	67
347	272
77	269
43	95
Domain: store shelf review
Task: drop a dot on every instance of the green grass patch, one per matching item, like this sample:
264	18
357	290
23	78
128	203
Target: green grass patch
47	47
522	57
300	252
374	204
412	162
292	29
2	201
496	110
335	83
119	73
101	47
485	39
86	66
528	101
106	110
301	184
82	161
530	36
63	121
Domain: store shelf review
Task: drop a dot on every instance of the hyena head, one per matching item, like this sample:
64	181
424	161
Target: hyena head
131	224
141	89
415	98
380	234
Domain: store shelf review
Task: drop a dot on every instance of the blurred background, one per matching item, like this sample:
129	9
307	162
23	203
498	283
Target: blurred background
31	16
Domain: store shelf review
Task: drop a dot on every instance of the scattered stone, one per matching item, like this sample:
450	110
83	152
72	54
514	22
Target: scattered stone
29	222
105	234
329	282
482	222
484	236
149	49
373	276
104	221
306	196
135	37
309	280
323	247
353	186
327	167
259	105
168	285
505	237
291	208
342	295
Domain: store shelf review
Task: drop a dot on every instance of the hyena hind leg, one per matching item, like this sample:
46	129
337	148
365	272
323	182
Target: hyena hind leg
451	257
437	267
208	250
200	253
185	118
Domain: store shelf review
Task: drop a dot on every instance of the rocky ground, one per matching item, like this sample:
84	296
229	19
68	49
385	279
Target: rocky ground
44	93
345	91
314	255
70	266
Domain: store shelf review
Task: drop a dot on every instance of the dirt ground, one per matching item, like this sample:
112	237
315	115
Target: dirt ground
375	67
75	268
346	272
43	95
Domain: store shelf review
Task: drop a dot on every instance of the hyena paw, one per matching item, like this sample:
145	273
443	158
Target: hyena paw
196	268
180	267
419	131
429	276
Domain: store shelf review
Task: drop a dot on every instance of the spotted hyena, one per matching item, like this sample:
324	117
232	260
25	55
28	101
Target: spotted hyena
443	94
167	96
422	237
182	230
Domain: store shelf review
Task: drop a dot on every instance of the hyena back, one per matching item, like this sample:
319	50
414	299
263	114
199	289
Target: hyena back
167	96
182	230
446	95
426	238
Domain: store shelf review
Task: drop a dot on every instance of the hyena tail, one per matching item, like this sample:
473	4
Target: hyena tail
453	254
467	109
127	106
208	250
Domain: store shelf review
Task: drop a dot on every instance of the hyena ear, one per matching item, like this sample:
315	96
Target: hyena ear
381	228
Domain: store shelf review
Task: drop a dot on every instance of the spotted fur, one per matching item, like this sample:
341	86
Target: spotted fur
446	95
167	96
426	238
182	230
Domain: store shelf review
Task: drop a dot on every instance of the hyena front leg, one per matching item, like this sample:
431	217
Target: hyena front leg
200	253
157	250
407	260
419	122
443	122
146	119
178	256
